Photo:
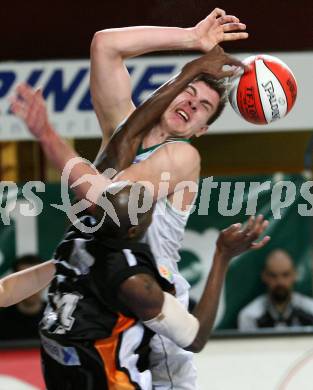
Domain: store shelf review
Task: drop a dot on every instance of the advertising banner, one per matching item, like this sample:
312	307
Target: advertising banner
65	86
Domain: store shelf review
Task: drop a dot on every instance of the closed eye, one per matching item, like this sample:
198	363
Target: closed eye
191	90
206	106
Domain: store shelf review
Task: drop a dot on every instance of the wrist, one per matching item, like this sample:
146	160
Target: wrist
193	41
46	134
191	70
222	256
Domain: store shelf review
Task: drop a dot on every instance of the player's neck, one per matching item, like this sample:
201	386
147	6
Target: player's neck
156	136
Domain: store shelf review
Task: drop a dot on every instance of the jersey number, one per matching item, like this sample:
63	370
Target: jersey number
65	307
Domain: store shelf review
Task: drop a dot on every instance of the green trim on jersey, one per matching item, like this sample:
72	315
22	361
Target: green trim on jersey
142	150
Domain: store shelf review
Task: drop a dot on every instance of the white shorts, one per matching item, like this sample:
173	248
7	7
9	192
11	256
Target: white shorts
171	366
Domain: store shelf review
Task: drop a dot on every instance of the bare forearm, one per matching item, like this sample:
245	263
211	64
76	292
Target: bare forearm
232	241
30	106
150	111
206	309
57	151
20	285
61	155
133	41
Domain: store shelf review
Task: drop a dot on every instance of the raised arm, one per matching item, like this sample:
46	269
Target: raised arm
231	242
30	106
21	285
165	315
110	81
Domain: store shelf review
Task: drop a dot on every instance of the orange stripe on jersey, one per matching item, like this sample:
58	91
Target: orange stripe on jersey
107	348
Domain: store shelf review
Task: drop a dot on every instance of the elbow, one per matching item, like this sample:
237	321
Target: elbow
102	40
199	342
98	41
196	346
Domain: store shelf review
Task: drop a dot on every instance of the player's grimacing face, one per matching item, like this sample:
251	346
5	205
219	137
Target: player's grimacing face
190	111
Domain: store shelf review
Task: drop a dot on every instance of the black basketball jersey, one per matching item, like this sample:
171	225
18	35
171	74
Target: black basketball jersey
82	298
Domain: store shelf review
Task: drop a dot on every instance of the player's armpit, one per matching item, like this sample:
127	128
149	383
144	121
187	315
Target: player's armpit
141	295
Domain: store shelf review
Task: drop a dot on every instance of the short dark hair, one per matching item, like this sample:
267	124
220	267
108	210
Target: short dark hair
220	87
29	259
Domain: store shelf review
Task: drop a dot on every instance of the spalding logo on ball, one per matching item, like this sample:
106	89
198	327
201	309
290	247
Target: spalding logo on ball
265	92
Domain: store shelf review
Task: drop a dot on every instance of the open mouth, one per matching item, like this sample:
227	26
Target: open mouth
182	114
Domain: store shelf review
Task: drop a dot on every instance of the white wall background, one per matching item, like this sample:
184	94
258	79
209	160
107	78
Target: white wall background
284	363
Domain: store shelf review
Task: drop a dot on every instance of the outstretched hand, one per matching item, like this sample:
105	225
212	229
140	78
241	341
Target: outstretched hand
30	106
218	27
237	239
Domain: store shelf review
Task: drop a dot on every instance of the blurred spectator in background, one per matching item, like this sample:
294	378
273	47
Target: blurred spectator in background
21	321
280	307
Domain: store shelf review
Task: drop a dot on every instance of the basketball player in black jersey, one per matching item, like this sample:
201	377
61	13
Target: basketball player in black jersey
104	283
71	355
91	338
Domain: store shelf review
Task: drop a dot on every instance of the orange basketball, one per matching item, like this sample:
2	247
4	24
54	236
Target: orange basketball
265	92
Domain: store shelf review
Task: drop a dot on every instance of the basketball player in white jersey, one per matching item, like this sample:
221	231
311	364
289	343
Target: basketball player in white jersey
187	116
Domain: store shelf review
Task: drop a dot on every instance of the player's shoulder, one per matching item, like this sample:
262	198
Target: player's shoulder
127	253
141	257
181	154
119	264
137	253
181	147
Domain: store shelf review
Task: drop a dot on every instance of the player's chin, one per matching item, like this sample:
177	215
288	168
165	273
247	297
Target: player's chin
180	130
180	133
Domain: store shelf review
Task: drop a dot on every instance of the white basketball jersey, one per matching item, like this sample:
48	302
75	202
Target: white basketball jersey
166	232
171	366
